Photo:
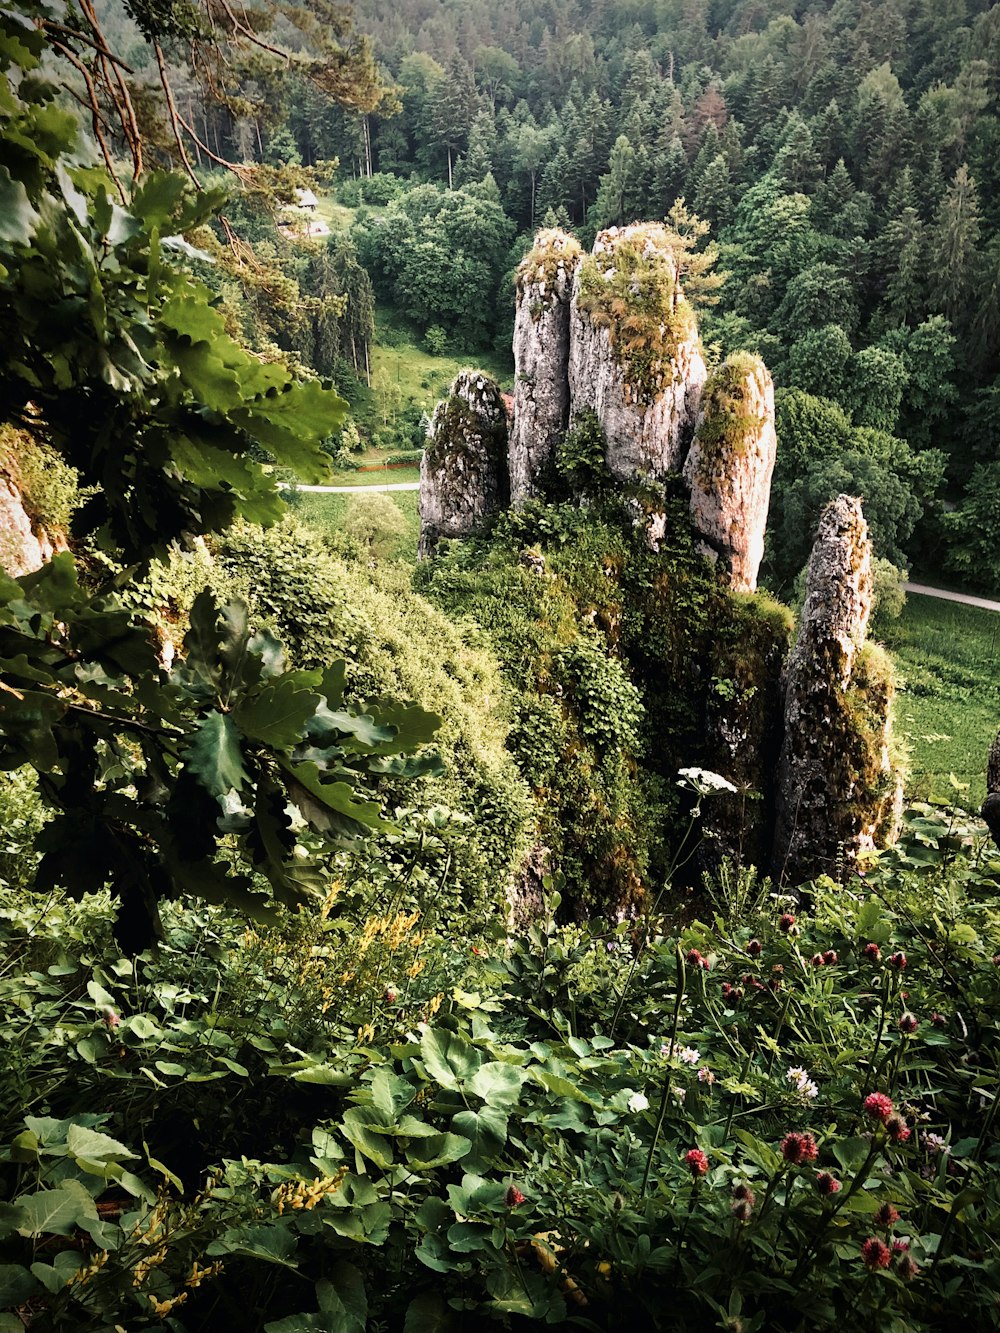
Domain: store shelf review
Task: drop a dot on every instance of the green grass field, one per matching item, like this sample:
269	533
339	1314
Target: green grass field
948	706
328	513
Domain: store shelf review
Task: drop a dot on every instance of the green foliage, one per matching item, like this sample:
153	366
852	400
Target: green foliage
580	456
436	339
431	249
580	1113
975	529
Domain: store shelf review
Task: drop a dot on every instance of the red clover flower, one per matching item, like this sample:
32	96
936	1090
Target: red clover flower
908	1023
899	1130
799	1148
876	1253
696	1162
878	1106
513	1197
827	1184
872	952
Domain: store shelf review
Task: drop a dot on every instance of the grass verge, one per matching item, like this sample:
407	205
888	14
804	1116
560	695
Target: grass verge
948	707
328	514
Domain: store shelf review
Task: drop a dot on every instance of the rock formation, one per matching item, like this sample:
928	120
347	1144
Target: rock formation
634	354
730	465
22	549
463	473
837	793
991	806
541	357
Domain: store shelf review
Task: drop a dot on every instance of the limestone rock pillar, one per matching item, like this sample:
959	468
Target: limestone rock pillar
838	794
634	356
730	465
463	473
541	358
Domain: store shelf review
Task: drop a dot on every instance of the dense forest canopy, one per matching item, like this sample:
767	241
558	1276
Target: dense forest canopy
844	154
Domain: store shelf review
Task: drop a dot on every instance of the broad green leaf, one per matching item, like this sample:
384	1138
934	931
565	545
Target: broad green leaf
18	219
447	1057
83	1142
56	1212
498	1083
486	1131
390	1093
214	755
331	807
277	713
17	1285
427	1153
426	1313
357	1127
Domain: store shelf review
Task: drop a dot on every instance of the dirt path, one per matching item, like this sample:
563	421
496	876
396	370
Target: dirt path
924	591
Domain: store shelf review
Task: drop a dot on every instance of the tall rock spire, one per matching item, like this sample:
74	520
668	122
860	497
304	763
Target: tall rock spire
635	358
837	792
730	465
541	358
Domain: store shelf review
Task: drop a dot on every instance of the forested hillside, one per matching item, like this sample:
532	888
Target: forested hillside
844	154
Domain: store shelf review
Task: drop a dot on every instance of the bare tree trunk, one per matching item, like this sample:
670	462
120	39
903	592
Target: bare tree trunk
368	368
450	186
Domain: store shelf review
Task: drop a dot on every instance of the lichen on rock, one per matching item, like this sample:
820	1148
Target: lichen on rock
635	357
463	473
838	793
541	356
730	466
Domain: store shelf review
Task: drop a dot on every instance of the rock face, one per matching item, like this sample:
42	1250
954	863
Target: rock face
541	358
634	354
23	547
730	464
463	473
837	793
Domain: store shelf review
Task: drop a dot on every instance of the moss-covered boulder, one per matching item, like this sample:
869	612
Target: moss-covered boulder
838	792
730	465
463	473
541	358
635	357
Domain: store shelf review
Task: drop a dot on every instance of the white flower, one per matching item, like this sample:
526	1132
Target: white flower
687	1054
703	781
705	1075
638	1102
803	1083
934	1143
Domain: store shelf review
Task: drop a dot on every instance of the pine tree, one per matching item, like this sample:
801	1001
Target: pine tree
453	109
714	197
954	246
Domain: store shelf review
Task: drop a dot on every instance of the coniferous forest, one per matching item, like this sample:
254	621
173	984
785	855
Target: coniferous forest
564	896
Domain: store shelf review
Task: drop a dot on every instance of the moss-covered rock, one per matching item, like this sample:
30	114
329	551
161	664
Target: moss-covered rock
463	473
838	789
635	358
730	466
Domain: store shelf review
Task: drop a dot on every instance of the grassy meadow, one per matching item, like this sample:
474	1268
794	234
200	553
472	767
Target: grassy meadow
948	706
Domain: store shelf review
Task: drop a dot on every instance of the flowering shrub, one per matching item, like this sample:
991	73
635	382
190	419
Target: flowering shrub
539	1129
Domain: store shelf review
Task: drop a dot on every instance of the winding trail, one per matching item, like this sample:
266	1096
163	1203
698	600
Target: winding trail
965	598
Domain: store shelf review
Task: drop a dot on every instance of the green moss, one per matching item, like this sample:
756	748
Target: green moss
633	292
627	664
48	486
552	248
856	748
728	420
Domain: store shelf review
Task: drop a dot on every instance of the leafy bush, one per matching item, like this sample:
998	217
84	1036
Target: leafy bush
579	1114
